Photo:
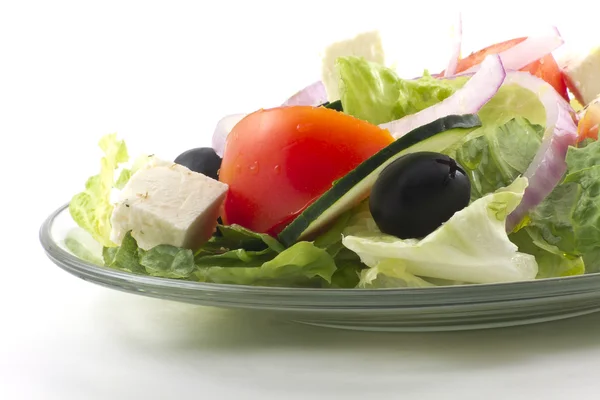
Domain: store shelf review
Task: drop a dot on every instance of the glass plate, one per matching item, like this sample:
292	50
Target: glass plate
413	309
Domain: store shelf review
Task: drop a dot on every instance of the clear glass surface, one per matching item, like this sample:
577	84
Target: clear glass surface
412	309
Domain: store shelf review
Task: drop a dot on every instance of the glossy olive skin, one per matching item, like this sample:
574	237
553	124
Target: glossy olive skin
417	193
203	160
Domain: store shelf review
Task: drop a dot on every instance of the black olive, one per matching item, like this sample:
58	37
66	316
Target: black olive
203	160
217	232
417	193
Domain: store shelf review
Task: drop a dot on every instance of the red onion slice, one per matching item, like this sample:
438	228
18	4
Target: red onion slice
467	100
530	50
224	126
312	95
548	166
456	46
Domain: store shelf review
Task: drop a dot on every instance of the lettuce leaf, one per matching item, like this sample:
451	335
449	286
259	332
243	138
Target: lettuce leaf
552	262
236	258
167	261
348	269
92	209
348	263
331	239
569	218
495	156
586	212
472	246
237	247
389	273
124	257
234	237
303	264
591	260
551	220
375	93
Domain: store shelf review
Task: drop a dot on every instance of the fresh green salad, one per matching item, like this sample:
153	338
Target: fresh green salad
482	173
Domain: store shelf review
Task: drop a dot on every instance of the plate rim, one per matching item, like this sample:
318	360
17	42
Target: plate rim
62	257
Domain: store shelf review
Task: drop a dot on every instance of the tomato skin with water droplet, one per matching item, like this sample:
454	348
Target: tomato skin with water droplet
288	157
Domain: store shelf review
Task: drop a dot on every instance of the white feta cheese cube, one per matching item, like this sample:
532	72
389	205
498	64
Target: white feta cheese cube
367	45
583	76
166	203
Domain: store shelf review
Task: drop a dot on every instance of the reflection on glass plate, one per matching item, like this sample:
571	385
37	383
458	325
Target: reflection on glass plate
412	309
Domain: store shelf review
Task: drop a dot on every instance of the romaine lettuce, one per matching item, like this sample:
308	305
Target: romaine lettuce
303	264
234	237
552	262
300	265
92	209
124	257
375	93
569	218
494	156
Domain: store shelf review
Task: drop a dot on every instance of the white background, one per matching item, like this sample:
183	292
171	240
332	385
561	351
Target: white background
160	74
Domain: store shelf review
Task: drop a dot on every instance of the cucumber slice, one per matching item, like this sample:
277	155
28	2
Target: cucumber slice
356	185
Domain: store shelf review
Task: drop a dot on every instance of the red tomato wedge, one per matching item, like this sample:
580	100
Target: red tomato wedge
545	68
278	161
